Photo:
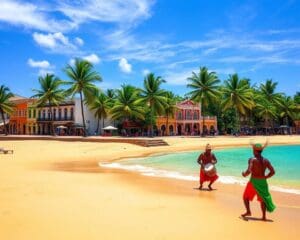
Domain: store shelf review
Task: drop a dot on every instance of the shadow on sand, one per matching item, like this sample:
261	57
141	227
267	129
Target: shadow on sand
205	189
255	219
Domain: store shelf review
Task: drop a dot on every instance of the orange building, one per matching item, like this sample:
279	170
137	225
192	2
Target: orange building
187	121
18	119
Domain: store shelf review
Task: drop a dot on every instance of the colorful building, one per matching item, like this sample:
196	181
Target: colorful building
31	124
66	118
187	121
18	119
62	118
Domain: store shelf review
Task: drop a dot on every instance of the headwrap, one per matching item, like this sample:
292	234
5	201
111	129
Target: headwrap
257	147
208	146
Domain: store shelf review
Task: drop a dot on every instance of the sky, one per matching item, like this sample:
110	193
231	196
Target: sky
127	39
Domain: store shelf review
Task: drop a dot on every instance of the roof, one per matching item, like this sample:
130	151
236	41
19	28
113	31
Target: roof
18	98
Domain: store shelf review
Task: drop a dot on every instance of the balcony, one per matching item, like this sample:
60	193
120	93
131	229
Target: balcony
45	119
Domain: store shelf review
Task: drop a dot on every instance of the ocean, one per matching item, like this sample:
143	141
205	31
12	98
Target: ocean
231	162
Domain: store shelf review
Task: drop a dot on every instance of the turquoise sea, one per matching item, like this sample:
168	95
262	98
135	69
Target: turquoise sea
231	162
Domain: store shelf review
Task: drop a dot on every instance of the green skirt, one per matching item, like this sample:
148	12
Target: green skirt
262	189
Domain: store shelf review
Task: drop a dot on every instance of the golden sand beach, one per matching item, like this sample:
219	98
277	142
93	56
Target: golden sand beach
56	190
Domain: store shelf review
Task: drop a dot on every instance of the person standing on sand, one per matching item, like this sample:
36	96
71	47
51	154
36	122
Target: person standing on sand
203	159
257	184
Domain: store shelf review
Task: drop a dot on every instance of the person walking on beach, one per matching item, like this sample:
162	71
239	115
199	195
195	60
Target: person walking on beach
257	184
207	160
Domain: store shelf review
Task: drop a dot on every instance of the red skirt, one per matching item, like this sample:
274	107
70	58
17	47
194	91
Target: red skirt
204	177
250	193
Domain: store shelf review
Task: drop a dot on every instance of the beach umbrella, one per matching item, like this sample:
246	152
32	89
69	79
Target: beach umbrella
109	128
61	127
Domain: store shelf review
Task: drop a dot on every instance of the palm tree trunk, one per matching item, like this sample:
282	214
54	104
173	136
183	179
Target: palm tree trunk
98	123
82	114
4	125
151	121
238	120
51	120
167	126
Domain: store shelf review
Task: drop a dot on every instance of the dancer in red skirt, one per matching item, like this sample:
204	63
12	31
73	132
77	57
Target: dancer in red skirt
205	158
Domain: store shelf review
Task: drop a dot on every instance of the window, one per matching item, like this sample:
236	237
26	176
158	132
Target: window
44	114
189	117
34	113
72	113
59	114
54	114
29	113
66	113
196	115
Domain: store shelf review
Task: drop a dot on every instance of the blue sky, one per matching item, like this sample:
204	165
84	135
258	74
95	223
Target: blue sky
126	39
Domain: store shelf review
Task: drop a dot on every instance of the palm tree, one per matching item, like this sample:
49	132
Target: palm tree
204	87
82	78
237	94
154	96
101	107
111	94
266	110
5	105
287	108
297	98
170	109
267	90
127	104
49	94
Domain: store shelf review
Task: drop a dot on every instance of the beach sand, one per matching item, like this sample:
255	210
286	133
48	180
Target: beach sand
55	190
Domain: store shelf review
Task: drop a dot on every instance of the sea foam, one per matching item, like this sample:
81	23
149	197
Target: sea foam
153	172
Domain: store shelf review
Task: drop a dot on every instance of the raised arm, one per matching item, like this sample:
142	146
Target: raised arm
248	171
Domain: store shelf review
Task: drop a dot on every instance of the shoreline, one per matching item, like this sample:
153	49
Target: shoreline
54	190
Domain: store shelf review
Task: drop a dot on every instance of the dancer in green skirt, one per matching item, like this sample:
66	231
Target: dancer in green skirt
257	184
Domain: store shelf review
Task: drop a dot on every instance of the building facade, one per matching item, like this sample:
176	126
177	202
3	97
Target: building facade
187	121
18	119
66	118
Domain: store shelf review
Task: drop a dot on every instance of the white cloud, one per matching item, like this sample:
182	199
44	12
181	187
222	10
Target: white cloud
43	66
125	66
43	72
93	58
38	64
145	72
56	42
116	11
42	15
79	41
31	16
178	78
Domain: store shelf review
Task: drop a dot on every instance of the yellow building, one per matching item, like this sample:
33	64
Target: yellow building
32	127
187	121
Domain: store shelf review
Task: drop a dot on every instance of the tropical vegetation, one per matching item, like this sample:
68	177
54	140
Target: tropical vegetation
82	81
238	105
6	106
50	94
